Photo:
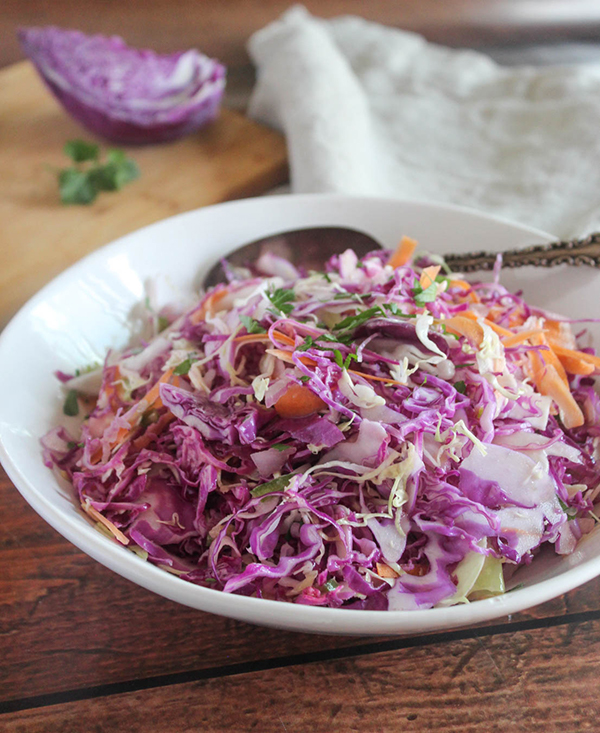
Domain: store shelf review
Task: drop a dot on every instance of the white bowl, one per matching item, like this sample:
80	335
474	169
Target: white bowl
84	311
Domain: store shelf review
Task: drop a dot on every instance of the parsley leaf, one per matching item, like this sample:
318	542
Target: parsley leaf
75	187
570	511
80	184
80	150
71	406
251	325
424	296
349	359
280	446
304	378
183	368
460	387
352	322
282	300
308	344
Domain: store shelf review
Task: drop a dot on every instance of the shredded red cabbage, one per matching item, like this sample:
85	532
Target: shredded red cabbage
342	438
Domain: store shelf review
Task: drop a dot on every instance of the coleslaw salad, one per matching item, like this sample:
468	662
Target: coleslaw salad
382	435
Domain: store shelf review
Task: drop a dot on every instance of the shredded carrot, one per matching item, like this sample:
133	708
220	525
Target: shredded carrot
298	401
287	357
151	400
463	326
208	305
95	514
464	285
549	382
153	430
373	378
549	357
385	571
264	338
403	253
518	338
576	366
429	275
251	338
500	330
581	356
559	334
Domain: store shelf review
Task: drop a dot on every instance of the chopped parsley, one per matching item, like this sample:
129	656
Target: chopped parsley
306	345
82	182
251	325
428	295
71	405
351	322
282	300
570	511
183	368
339	359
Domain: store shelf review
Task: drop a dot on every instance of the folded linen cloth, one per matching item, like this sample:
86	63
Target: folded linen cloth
371	110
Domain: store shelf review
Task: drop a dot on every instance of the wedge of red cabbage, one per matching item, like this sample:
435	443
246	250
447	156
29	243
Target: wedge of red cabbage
363	438
123	94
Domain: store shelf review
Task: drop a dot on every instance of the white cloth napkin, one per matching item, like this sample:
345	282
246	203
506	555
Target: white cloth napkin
371	110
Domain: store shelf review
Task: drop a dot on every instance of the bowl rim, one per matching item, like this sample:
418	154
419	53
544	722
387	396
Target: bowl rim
273	613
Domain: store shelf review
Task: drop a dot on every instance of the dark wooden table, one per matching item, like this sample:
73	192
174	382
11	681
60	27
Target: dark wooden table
81	649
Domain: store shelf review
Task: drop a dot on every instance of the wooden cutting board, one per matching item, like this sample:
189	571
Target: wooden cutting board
39	237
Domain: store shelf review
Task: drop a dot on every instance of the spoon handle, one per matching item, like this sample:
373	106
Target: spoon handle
570	252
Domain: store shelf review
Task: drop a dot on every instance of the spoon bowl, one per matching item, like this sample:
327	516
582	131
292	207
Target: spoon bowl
306	248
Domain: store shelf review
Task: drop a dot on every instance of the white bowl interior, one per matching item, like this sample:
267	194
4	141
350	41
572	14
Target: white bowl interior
85	311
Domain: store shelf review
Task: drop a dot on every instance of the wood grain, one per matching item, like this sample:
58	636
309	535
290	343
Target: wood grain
222	28
67	623
231	158
543	680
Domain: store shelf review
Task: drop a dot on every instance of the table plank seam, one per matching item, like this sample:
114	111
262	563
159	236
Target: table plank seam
158	681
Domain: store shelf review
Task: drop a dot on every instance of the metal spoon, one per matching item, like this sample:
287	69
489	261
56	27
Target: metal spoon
570	252
311	248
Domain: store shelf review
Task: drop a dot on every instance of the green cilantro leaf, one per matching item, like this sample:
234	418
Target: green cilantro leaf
75	187
183	368
282	300
570	511
80	184
424	296
80	150
71	406
352	322
349	359
308	344
339	359
460	387
251	325
280	446
304	378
